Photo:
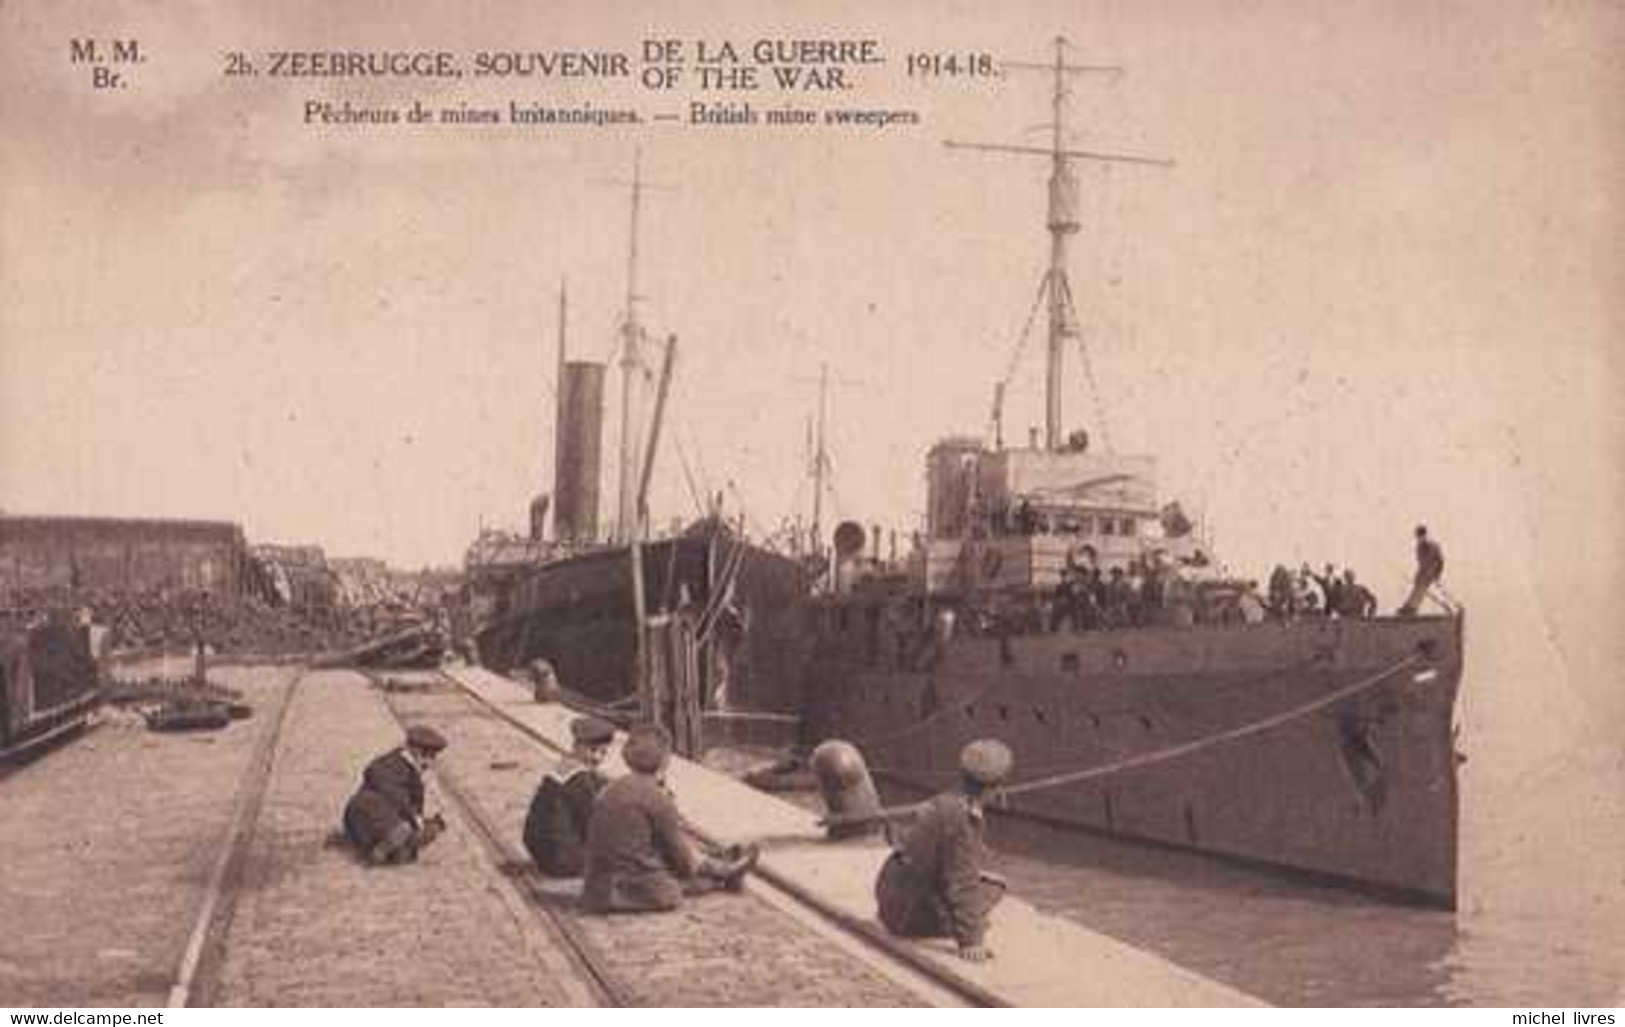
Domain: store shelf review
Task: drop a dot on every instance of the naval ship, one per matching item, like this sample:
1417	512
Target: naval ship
1318	743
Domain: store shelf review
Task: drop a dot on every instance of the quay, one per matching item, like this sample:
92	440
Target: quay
207	869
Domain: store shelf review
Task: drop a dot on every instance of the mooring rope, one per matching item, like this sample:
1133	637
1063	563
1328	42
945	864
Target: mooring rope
1173	752
621	712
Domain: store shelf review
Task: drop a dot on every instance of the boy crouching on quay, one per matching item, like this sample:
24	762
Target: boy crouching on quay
935	883
384	818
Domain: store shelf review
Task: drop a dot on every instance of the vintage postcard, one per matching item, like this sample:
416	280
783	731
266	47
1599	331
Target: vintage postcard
910	504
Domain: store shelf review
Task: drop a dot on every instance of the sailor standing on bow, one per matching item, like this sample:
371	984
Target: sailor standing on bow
935	883
1429	569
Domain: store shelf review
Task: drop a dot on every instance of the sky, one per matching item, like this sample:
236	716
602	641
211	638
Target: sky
1381	285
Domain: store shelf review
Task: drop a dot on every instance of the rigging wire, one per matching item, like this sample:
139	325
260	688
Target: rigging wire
679	427
688	473
744	508
1102	426
835	498
1021	345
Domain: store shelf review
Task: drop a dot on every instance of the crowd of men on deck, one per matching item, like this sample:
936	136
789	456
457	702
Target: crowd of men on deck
1304	593
1154	591
1157	590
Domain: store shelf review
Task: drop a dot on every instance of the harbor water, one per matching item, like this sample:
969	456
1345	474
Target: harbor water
1294	943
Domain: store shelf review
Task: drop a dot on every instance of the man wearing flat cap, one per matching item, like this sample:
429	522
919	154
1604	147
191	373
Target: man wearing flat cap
935	884
384	818
556	826
638	858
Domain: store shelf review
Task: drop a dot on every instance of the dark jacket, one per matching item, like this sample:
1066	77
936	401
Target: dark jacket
636	850
556	825
933	884
1356	601
391	792
1331	592
1429	560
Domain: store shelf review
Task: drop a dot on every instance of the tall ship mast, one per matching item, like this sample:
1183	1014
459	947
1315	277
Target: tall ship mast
1056	604
686	628
631	365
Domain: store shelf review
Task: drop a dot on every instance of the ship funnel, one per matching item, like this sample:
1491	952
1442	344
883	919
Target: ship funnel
578	455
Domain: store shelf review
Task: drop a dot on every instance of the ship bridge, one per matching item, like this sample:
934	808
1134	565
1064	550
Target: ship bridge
1014	518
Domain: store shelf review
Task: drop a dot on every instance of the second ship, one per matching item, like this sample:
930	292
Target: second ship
721	614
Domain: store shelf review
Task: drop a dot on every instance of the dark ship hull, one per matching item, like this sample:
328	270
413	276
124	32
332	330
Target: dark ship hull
577	613
1324	746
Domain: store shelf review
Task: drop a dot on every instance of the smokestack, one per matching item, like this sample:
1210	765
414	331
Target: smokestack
581	426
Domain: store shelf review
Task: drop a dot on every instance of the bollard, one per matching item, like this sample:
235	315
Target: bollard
847	789
544	680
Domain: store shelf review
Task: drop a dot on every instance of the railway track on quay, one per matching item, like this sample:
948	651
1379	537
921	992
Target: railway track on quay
590	966
202	945
774	914
289	917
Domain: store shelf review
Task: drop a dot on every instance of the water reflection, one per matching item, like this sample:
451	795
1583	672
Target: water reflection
1287	942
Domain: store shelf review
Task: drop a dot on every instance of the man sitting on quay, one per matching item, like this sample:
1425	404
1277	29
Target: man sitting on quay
638	858
556	825
384	818
935	883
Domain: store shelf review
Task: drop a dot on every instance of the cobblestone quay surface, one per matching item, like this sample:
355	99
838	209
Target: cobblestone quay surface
313	926
111	843
107	845
719	950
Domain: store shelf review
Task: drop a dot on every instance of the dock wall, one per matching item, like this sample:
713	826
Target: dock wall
46	553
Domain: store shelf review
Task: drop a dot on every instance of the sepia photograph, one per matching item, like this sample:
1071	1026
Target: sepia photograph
807	503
